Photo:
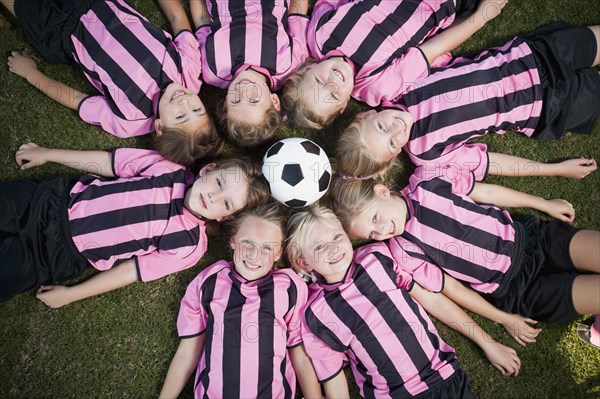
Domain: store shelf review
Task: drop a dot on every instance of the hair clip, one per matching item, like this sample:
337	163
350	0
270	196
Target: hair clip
285	117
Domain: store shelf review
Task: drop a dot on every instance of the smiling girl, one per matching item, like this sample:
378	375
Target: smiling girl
139	217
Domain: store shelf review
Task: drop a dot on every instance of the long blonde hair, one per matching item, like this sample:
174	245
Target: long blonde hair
350	198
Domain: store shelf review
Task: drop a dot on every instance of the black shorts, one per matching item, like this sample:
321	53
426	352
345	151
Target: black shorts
542	287
564	54
48	24
457	386
35	243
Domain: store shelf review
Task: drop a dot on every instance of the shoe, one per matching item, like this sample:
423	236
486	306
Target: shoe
585	334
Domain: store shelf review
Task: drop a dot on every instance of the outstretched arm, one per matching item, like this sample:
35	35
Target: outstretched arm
305	372
119	276
439	306
516	325
460	31
509	165
200	15
98	162
173	10
507	197
298	7
182	366
25	67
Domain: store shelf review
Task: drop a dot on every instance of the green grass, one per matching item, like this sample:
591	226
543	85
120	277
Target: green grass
120	344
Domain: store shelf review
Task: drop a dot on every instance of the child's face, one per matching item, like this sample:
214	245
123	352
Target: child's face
384	219
249	97
327	250
386	132
180	108
256	247
217	194
327	86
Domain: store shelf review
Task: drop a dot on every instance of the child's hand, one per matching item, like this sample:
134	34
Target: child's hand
21	65
577	168
518	327
503	358
560	209
30	155
54	296
490	9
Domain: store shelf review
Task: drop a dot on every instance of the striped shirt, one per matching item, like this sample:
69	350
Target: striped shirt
370	320
248	327
498	90
130	60
251	34
139	214
379	39
472	242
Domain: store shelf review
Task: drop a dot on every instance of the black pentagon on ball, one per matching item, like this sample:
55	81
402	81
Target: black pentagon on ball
324	181
311	147
292	174
274	149
295	203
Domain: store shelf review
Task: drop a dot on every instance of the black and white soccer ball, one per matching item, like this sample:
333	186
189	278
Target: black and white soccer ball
298	171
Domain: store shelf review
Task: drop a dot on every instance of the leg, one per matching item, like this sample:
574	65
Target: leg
15	199
586	294
585	251
596	30
17	269
10	5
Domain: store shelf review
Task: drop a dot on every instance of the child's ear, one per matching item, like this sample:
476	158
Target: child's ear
365	114
232	242
209	167
381	190
343	109
275	101
278	255
302	264
158	127
224	219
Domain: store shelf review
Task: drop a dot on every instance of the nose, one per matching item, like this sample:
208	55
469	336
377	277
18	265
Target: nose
214	197
251	252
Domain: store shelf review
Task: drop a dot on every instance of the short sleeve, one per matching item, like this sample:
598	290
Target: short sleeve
192	317
298	29
472	157
131	162
191	61
202	33
413	265
322	6
293	318
96	111
462	180
327	362
160	263
394	80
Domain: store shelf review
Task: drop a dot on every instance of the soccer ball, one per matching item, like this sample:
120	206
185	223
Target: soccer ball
298	171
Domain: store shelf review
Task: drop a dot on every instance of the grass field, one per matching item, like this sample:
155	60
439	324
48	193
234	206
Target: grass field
120	344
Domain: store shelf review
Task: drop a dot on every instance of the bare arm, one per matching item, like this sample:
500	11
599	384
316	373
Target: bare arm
26	68
509	165
119	276
337	387
502	357
98	162
507	197
516	325
460	31
298	7
199	12
306	373
182	366
173	10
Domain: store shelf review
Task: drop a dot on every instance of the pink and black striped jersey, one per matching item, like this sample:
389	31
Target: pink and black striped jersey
130	60
138	215
474	243
370	320
499	90
379	39
251	34
248	327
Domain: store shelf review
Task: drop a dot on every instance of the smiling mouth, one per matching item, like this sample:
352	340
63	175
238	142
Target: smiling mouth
250	266
177	94
393	228
338	259
245	81
339	74
202	203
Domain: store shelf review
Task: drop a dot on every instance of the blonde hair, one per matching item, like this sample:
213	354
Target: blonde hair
350	198
353	155
299	227
249	135
271	211
296	109
187	149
